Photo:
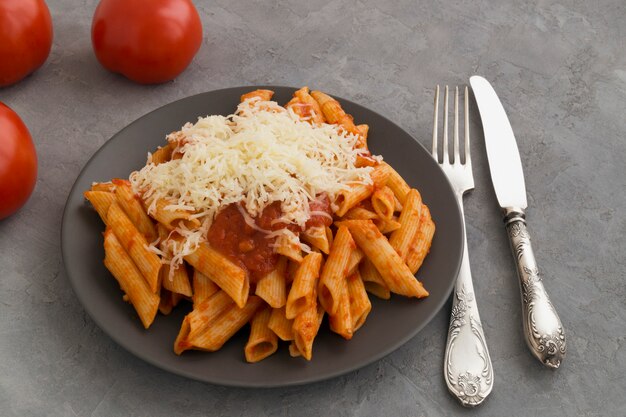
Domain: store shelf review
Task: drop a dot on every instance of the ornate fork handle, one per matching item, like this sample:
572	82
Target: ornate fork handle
468	369
543	330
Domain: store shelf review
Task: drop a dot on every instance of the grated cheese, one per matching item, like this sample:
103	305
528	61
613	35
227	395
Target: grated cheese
261	154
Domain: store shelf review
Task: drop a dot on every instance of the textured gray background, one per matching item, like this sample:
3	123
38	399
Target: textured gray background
560	70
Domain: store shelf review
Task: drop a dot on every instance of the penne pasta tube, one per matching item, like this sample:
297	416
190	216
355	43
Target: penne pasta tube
203	288
397	184
403	237
226	325
334	114
317	237
356	256
134	210
305	106
228	276
178	281
289	247
207	311
170	218
101	201
341	321
293	350
347	199
305	328
280	324
181	343
196	322
262	341
162	154
423	239
265	95
303	292
360	305
334	270
119	263
394	271
387	226
373	281
136	245
108	187
360	213
383	202
272	287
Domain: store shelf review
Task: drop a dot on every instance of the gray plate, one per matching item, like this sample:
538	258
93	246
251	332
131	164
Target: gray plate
389	325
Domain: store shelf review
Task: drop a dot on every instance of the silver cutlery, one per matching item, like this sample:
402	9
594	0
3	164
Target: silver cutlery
543	330
467	366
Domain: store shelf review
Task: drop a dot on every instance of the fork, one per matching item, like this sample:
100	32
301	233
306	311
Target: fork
467	366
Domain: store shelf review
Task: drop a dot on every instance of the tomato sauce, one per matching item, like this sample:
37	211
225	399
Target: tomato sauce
250	248
242	244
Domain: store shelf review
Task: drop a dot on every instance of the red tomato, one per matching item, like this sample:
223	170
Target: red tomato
148	41
25	38
18	162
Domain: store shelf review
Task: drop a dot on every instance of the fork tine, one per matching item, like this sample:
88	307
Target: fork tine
446	156
456	158
435	118
468	156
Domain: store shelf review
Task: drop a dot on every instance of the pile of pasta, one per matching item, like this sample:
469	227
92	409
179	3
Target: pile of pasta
379	236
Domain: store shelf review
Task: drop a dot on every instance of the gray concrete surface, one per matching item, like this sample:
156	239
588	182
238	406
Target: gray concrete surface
560	69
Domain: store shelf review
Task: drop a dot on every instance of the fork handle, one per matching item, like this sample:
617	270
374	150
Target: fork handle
543	330
467	366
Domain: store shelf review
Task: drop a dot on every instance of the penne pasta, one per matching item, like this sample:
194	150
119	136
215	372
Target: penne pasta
402	238
397	184
318	238
394	271
134	210
121	266
373	281
272	287
387	226
305	328
360	213
341	321
383	202
226	325
305	106
203	287
228	276
171	218
107	187
136	245
289	247
262	341
303	292
347	199
207	311
280	324
334	270
360	305
356	256
178	281
162	154
265	95
235	214
423	239
101	201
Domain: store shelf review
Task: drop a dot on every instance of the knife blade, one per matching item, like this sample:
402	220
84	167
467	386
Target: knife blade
543	330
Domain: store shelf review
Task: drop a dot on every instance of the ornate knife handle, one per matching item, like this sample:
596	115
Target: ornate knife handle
543	330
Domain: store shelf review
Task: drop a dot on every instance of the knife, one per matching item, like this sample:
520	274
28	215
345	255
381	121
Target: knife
543	330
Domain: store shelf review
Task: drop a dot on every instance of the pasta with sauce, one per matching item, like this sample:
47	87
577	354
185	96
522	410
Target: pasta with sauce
274	216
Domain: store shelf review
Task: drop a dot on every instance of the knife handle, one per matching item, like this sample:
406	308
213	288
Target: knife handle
543	330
